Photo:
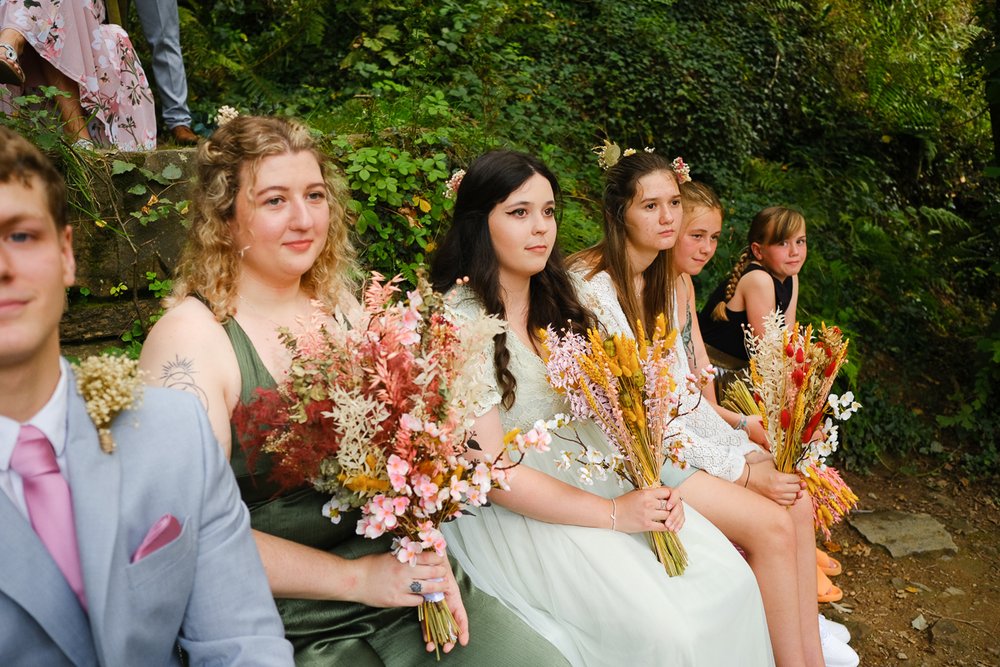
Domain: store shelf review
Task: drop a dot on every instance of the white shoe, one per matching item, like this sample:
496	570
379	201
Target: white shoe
838	630
836	653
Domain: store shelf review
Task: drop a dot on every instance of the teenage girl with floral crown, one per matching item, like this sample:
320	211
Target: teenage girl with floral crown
729	479
696	244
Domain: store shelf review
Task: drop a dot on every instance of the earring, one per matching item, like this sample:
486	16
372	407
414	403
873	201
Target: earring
243	251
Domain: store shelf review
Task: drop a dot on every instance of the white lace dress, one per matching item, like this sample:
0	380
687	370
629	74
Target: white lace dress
716	447
600	596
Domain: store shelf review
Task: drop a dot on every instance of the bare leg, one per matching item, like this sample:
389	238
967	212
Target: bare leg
767	533
73	117
70	110
805	540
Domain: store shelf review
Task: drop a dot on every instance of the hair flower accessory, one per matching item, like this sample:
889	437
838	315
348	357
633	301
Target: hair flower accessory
609	153
108	385
451	187
225	114
682	169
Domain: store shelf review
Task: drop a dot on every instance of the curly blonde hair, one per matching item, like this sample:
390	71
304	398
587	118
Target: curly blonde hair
772	225
210	262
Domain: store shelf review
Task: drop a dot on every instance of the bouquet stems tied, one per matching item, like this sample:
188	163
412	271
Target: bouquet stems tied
437	623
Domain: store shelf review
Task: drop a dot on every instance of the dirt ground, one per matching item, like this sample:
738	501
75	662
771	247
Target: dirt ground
928	609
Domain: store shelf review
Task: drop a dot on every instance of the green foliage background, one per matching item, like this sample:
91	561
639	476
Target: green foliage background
868	115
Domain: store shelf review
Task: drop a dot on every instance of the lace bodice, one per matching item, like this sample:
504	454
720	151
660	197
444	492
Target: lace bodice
534	398
715	447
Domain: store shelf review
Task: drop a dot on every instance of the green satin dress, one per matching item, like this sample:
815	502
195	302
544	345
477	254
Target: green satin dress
349	633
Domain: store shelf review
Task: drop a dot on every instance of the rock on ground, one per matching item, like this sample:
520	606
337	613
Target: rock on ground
903	533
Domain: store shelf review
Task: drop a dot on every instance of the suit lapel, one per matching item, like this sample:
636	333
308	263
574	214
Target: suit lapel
32	579
95	480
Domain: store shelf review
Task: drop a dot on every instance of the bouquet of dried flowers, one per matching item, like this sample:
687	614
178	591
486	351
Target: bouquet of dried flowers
627	388
831	498
792	374
380	417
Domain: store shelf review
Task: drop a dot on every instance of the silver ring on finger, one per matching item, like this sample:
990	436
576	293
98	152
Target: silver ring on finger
416	586
663	505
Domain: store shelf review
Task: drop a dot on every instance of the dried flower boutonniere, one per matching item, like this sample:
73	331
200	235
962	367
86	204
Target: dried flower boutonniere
108	385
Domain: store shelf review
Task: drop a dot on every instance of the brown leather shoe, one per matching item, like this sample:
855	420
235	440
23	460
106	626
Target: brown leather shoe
183	135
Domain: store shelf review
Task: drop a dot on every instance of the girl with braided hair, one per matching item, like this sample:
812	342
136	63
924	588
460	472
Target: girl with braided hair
764	279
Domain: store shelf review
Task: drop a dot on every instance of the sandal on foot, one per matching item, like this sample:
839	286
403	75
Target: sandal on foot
10	67
826	591
831	566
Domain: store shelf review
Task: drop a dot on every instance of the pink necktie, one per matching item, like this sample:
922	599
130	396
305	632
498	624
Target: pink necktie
50	506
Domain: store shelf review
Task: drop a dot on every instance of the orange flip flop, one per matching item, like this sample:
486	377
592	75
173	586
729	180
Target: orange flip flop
826	591
831	566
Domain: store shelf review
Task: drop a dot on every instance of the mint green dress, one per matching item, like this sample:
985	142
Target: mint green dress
328	633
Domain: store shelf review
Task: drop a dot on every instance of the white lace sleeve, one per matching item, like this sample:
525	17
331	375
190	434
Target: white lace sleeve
463	305
718	451
599	295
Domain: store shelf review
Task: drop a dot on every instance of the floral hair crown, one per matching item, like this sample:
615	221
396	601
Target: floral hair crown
225	114
609	153
451	187
682	170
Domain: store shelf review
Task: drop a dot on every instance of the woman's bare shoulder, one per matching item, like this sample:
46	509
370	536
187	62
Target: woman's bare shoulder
191	314
187	329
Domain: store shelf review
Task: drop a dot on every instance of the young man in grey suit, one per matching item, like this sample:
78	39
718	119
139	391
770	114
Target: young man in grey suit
107	558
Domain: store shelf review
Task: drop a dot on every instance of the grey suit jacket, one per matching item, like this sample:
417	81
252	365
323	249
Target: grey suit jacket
206	589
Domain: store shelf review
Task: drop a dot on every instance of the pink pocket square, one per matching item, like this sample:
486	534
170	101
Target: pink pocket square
164	531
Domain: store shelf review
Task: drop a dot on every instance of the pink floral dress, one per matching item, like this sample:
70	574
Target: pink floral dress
71	35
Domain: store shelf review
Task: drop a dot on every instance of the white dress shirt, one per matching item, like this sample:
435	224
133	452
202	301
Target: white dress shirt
50	420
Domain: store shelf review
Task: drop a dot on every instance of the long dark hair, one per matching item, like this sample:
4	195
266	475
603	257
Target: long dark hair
467	251
610	254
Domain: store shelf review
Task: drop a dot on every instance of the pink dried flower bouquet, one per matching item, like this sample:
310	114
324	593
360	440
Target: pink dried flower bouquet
380	416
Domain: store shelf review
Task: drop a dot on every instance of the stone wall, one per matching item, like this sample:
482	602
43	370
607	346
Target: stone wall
120	249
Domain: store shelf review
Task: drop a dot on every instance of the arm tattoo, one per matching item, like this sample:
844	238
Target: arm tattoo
179	374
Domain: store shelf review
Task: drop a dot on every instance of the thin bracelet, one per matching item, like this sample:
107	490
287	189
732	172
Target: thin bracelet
614	510
748	477
742	424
